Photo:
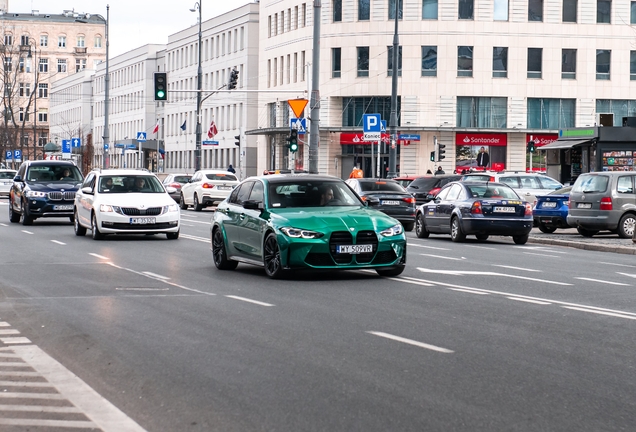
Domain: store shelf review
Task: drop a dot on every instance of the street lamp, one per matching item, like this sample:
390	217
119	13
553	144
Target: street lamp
31	55
197	152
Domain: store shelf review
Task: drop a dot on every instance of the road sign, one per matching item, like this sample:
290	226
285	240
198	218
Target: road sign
141	136
8	155
371	123
76	142
131	147
208	142
383	126
409	137
66	146
105	146
300	124
372	136
297	106
17	155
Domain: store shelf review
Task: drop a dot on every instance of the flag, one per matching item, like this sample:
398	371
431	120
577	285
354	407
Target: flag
212	131
156	129
183	126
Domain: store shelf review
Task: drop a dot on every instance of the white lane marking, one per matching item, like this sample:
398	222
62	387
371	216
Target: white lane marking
98	256
602	281
13	364
542	248
529	301
4	324
516	268
1	224
182	224
600	312
48	423
39	408
411	280
100	411
480	273
47	396
249	300
14	340
428	247
541	255
142	289
412	342
156	275
190	237
443	257
9	331
58	242
160	280
469	291
27	232
480	247
25	384
195	221
619	265
627	274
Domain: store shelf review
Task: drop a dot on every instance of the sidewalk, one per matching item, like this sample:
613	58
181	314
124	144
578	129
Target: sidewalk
604	242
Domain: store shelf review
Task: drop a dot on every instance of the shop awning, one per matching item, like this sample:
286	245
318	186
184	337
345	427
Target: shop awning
563	144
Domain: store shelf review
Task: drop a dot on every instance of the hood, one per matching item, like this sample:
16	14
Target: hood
332	219
53	186
137	200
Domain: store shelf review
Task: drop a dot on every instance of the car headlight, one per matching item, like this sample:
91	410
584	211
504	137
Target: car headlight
300	233
35	194
393	231
170	208
104	208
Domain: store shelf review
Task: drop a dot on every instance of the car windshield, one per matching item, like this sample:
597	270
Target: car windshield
182	179
549	183
131	183
54	173
492	191
311	193
380	186
7	175
591	183
562	191
222	177
424	184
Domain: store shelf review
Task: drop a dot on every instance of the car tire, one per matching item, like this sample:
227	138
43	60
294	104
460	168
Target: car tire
626	226
80	231
13	216
197	205
172	235
219	255
420	227
391	272
408	226
182	202
546	229
25	219
482	237
271	257
96	234
586	232
456	231
521	239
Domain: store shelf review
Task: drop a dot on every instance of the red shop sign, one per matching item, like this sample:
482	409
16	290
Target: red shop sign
481	139
357	138
542	139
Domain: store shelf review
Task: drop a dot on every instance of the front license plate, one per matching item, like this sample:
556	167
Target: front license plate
142	221
548	205
504	209
354	249
63	207
584	205
390	203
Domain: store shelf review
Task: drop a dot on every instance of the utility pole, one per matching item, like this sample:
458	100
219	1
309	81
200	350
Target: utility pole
314	133
105	160
393	119
197	152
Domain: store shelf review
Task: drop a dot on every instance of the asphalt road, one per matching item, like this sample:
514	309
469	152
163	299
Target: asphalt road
143	333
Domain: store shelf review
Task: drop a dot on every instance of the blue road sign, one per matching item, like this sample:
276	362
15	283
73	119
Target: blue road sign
8	155
105	146
208	142
409	137
131	147
371	123
300	124
383	126
17	155
66	146
141	136
76	142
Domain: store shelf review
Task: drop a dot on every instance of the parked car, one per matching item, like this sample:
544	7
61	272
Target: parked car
603	201
527	185
121	201
424	188
175	181
551	210
6	180
404	181
207	187
475	208
387	196
43	189
304	222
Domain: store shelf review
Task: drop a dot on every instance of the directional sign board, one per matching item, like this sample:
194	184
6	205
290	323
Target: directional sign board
409	137
131	147
141	136
76	142
17	155
208	142
300	124
8	155
66	146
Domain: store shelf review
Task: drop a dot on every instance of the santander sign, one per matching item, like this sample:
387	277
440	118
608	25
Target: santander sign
481	139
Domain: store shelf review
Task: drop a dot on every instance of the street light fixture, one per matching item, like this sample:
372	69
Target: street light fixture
197	152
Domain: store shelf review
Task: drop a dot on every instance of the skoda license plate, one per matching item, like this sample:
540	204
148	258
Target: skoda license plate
354	249
63	207
504	209
142	220
548	205
584	205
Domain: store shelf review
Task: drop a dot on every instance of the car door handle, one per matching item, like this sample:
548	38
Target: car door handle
242	216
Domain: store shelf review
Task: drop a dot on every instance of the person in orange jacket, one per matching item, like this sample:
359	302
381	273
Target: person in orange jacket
356	173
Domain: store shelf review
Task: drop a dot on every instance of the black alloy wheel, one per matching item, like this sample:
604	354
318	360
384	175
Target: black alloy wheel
182	202
420	226
271	257
25	219
521	239
482	237
13	216
197	206
219	255
408	226
80	231
586	232
457	234
94	228
546	229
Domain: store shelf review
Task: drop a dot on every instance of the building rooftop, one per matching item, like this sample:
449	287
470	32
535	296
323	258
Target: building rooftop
67	16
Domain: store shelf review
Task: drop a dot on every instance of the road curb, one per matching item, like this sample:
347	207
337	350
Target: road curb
586	246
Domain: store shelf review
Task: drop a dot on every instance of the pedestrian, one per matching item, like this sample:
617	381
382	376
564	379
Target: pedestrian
356	172
429	172
483	159
439	171
231	169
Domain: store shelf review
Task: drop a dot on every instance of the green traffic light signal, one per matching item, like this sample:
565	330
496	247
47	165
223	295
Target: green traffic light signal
160	81
433	156
293	141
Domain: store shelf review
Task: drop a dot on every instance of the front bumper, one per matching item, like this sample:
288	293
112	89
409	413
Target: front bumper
42	207
113	223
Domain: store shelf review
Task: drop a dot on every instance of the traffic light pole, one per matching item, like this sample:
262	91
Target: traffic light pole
393	118
197	152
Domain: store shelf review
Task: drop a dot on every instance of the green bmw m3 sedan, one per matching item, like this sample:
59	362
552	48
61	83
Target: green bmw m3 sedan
284	222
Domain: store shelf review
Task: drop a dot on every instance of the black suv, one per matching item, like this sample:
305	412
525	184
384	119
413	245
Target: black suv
44	189
426	187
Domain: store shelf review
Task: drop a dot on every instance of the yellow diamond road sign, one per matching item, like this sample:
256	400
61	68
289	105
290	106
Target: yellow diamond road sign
297	106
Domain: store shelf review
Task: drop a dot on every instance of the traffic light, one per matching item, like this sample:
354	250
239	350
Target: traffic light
440	152
233	79
433	156
531	147
293	141
238	140
161	89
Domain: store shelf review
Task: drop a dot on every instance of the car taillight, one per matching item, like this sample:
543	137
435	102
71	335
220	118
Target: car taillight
434	191
476	208
606	203
567	203
175	185
410	200
492	179
528	209
363	198
207	186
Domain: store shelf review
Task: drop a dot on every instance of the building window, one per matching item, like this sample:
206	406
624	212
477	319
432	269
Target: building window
466	9
44	65
500	62
43	90
303	12
44	40
603	58
568	64
501	10
337	10
24	40
61	42
632	12
80	64
302	66
632	65
482	112
392	9
534	62
389	63
429	9
24	115
98	41
620	108
7	64
272	114
8	39
603	11
535	10
569	10
25	138
551	113
363	61
364	10
464	61
43	138
335	62
61	65
43	115
429	60
25	89
353	108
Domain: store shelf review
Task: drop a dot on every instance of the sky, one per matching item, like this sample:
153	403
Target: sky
134	23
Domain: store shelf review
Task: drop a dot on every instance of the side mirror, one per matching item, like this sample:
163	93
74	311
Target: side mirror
17	178
171	189
252	205
373	202
87	190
